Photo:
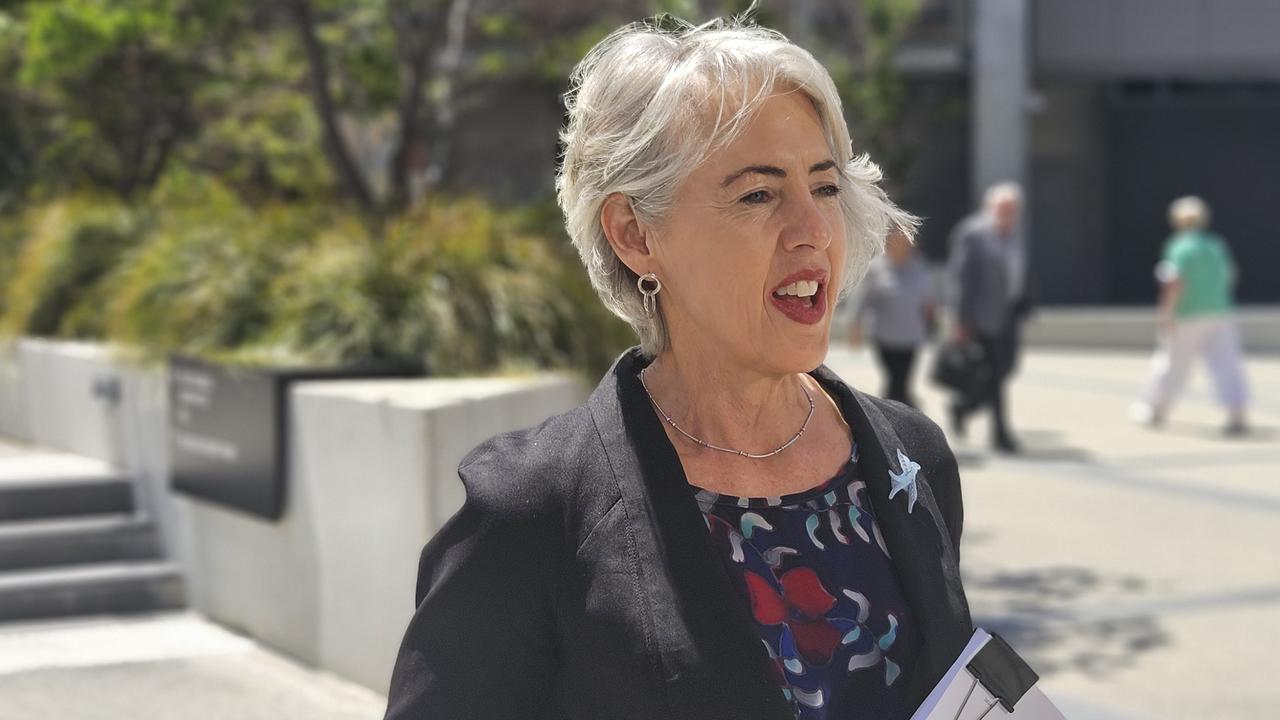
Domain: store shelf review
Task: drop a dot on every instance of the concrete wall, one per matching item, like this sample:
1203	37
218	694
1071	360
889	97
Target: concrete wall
48	393
1134	328
13	399
1070	243
372	476
48	397
378	461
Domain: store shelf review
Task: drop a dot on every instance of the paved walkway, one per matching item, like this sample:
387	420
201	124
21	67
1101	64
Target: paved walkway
160	667
1136	569
153	667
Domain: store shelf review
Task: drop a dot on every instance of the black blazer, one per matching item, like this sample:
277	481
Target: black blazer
578	580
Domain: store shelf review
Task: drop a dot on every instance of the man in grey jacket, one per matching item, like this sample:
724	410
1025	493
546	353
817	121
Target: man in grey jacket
988	275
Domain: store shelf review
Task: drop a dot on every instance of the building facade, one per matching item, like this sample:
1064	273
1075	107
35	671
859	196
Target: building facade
1107	110
1104	110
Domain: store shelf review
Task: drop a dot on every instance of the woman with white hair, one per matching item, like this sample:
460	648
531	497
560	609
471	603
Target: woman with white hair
725	529
1196	319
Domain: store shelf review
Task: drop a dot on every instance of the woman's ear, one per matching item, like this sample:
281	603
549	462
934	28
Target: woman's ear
626	234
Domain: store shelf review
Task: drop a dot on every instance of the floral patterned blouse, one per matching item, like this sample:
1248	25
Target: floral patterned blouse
824	595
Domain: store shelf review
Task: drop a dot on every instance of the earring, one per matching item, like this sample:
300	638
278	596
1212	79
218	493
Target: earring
649	293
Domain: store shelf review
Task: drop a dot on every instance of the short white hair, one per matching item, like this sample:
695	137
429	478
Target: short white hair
652	101
1002	191
1189	213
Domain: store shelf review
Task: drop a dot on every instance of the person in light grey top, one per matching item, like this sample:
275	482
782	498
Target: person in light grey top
897	297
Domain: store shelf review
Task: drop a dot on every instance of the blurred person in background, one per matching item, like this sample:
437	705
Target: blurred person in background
725	529
987	273
1196	319
897	298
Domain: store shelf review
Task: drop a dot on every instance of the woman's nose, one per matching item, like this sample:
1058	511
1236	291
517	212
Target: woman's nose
808	224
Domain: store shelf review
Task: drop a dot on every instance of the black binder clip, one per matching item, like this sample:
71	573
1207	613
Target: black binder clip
1005	675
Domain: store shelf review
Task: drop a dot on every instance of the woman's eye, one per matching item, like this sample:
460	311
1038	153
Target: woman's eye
829	190
756	198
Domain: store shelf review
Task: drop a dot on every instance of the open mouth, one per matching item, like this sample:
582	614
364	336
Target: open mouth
800	292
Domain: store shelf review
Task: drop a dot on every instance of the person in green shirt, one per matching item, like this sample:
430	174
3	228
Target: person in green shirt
1196	319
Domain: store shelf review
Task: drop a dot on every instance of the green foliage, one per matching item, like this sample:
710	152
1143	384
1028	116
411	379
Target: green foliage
873	93
116	79
182	196
554	58
259	135
11	234
20	121
700	11
12	39
58	282
199	281
110	95
71	36
456	287
364	45
322	304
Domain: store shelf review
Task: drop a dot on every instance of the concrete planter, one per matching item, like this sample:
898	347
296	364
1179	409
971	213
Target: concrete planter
228	431
62	395
371	471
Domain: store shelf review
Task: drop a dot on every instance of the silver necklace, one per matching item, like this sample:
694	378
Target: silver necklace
742	453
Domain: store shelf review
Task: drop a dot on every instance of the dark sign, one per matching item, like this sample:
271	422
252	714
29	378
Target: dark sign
228	430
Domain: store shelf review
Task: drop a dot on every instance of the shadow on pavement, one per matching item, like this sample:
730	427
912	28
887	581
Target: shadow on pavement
970	458
1042	614
1207	431
1037	446
1046	445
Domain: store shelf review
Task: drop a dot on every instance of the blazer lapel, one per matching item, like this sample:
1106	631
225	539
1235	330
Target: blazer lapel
710	658
921	548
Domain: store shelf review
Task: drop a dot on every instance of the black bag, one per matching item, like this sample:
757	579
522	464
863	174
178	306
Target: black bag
962	367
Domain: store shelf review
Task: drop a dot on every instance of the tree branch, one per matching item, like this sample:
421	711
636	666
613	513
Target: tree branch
445	110
417	47
322	98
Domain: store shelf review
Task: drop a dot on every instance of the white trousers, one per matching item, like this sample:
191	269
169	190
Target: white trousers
1217	340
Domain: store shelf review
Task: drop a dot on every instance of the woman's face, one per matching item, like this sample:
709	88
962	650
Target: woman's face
754	245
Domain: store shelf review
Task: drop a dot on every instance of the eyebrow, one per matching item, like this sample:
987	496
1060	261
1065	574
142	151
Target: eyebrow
772	170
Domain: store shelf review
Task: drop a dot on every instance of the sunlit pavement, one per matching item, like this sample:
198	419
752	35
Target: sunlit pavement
172	665
1137	569
155	666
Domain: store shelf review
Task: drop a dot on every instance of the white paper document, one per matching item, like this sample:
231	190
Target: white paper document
961	695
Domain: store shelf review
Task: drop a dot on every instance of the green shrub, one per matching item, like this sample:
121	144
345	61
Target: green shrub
199	281
58	284
11	233
456	287
322	307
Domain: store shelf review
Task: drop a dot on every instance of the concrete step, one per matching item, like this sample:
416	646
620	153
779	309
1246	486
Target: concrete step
96	588
48	485
76	540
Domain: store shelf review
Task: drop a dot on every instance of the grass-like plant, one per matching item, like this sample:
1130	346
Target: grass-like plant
456	286
198	284
69	248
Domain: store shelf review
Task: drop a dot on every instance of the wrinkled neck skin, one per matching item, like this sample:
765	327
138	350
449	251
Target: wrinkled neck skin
726	403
